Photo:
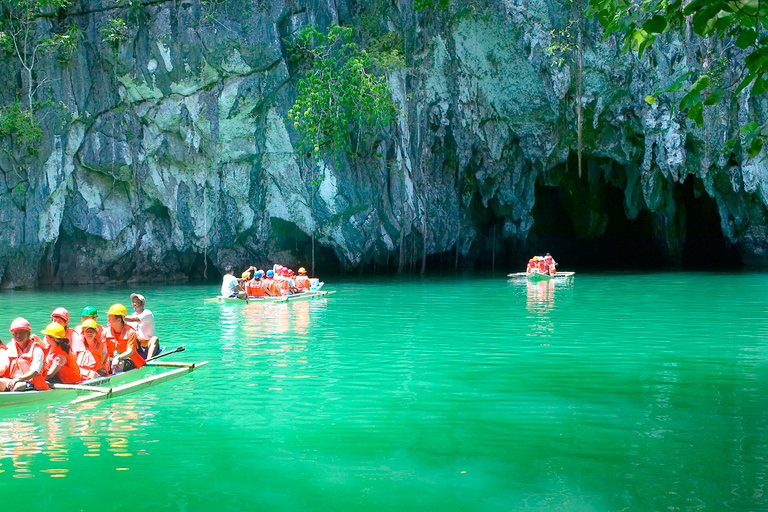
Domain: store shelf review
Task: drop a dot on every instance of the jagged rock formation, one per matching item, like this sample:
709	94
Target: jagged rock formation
173	152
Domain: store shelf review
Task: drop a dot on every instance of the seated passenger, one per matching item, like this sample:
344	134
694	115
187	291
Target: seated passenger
123	336
531	265
144	323
230	288
253	287
91	355
25	360
89	312
269	285
551	263
60	364
61	316
302	281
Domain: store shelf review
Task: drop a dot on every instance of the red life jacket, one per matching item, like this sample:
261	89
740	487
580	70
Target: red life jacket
67	374
284	284
123	340
271	285
4	363
89	360
21	362
301	282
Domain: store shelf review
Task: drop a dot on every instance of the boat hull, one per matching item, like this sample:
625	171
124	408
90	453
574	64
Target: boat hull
536	276
281	299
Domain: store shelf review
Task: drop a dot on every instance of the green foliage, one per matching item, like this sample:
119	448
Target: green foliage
21	124
563	44
115	32
743	21
65	43
339	93
420	5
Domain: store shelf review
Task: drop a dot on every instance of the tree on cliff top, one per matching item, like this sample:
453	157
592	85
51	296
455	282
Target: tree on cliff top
746	21
21	37
342	103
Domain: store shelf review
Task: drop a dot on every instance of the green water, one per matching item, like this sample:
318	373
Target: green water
612	392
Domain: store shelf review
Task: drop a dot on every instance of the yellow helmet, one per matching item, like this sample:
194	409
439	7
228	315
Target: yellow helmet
90	324
117	310
55	330
302	270
245	274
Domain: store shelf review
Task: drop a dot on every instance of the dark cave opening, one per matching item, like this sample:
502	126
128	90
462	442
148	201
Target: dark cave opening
628	244
705	246
625	244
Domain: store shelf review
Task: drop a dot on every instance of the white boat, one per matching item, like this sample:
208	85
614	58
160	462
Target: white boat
540	276
283	298
102	388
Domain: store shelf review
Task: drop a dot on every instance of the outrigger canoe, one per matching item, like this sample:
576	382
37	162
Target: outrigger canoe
540	276
103	388
283	298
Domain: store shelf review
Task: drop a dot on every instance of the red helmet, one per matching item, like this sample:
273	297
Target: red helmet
20	324
63	313
289	272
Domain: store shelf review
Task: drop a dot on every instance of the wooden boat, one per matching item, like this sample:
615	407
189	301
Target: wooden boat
283	298
103	388
538	276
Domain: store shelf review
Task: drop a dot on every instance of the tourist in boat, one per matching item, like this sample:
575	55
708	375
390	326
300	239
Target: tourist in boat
123	338
301	281
551	263
61	316
531	265
60	363
230	287
89	313
269	285
253	288
91	355
26	357
144	323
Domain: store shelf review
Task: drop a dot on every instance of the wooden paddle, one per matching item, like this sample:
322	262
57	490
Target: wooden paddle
178	349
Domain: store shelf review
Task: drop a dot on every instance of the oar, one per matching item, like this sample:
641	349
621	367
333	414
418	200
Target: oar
179	349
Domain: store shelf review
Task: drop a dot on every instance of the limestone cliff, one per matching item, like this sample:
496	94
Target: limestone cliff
170	153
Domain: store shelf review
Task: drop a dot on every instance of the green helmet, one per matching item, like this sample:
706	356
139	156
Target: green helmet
88	311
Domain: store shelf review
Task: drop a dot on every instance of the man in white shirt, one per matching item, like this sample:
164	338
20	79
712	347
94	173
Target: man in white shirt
144	323
230	287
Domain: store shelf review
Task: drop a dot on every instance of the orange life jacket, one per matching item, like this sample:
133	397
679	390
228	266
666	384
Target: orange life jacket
255	289
271	285
301	282
21	362
70	372
123	340
283	284
89	360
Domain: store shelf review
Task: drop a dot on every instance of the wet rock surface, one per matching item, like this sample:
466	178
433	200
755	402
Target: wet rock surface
170	155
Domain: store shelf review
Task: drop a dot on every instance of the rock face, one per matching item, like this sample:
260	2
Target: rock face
170	154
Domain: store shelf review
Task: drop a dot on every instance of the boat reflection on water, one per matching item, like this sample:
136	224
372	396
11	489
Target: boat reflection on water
45	439
269	339
540	302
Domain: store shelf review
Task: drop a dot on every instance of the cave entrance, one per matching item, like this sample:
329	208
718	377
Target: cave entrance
624	244
705	246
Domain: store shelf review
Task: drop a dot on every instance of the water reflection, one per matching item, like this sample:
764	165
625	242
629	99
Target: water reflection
50	438
540	301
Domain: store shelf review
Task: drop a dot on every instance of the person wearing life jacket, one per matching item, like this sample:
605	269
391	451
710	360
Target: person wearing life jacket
91	355
89	312
123	336
61	316
26	357
253	287
291	281
551	263
301	281
542	265
60	363
269	285
531	265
